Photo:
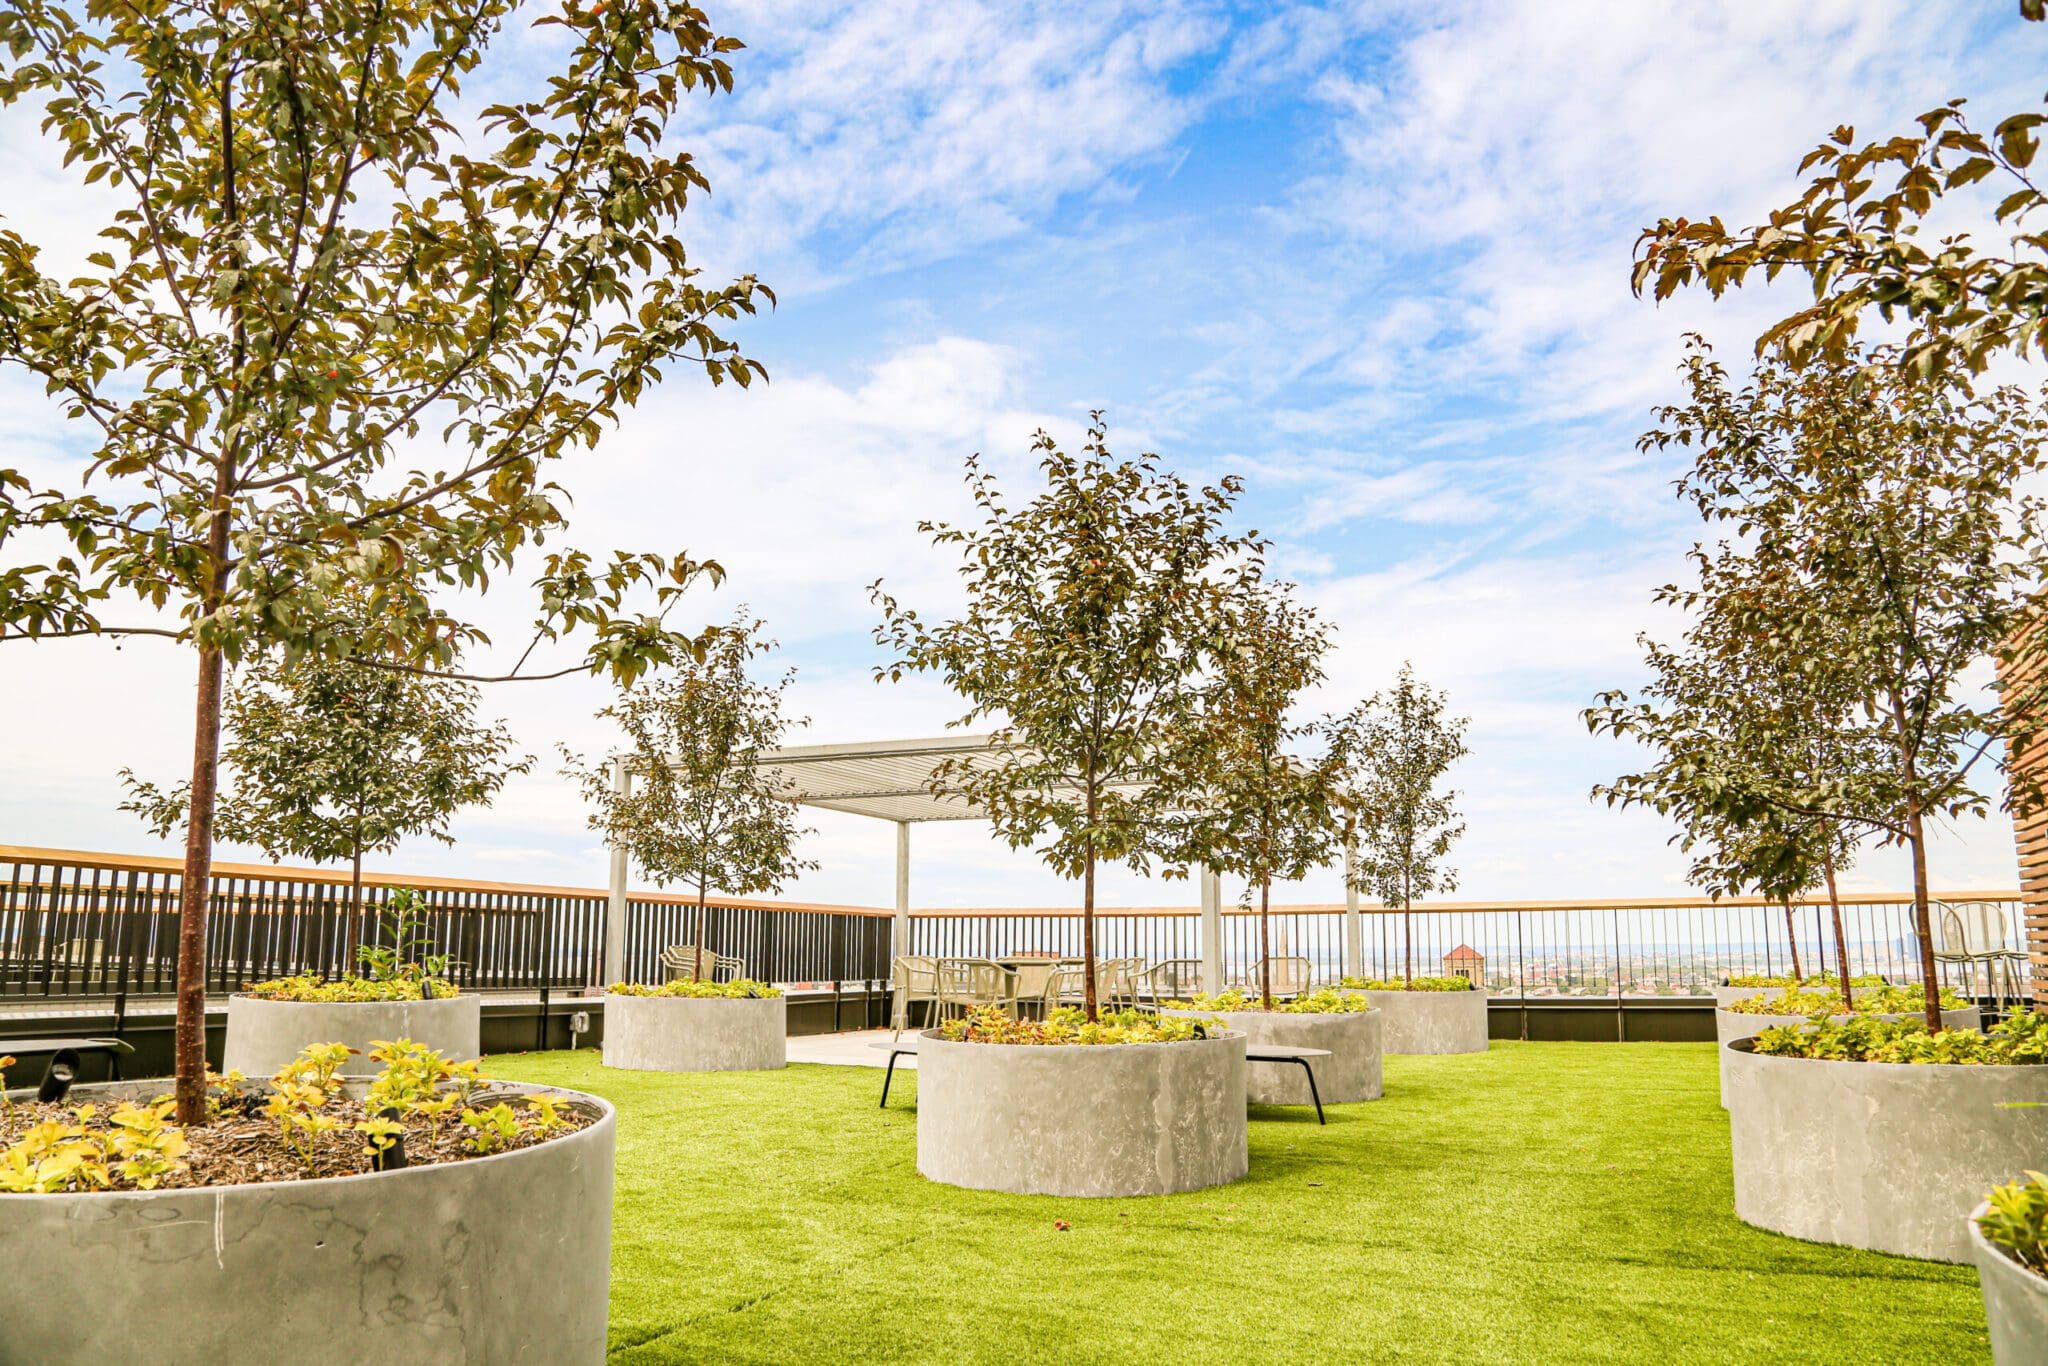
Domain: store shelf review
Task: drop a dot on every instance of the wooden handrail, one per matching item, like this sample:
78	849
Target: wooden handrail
149	863
12	853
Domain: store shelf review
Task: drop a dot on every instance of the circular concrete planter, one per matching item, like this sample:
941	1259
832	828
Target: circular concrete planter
265	1035
1885	1156
503	1258
1350	1073
1073	1119
1431	1021
1728	996
696	1034
1732	1025
2015	1302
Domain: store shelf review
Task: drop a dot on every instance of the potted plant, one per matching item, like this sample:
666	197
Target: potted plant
1426	1014
1735	987
403	992
1751	1015
691	1025
1346	1024
1126	1104
391	1217
2009	1241
1879	1133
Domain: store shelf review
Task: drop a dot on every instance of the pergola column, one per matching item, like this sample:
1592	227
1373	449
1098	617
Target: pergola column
1354	922
902	937
615	908
1212	930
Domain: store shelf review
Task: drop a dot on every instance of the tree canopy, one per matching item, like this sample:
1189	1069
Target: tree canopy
699	808
1096	619
339	333
332	761
1405	743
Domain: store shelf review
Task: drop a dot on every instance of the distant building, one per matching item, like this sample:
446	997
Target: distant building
1466	962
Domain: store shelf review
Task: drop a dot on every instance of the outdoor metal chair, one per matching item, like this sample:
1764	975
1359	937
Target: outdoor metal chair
965	983
913	979
728	968
1117	983
1065	986
1029	980
1176	979
1972	933
680	962
1291	976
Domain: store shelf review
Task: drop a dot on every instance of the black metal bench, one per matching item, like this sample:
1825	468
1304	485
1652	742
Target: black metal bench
895	1048
1271	1052
110	1049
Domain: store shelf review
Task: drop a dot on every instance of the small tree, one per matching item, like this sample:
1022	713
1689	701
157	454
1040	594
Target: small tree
1405	744
1096	616
1888	549
316	254
1270	814
699	809
331	761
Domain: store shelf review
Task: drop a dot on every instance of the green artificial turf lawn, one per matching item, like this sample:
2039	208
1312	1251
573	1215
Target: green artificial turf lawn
1539	1202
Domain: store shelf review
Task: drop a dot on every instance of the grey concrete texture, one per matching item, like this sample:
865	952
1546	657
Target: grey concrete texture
1731	1025
2015	1302
501	1258
1431	1021
686	1034
1082	1120
265	1035
1352	1072
1885	1156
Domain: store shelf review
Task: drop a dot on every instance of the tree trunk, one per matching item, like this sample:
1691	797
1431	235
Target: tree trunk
194	897
1930	974
1407	936
1266	941
698	938
1792	939
355	890
1827	863
1089	1005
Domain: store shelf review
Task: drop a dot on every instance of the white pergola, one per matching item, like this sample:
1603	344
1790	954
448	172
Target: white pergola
891	780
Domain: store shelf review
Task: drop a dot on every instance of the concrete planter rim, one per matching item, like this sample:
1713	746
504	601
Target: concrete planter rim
1916	1068
608	1116
691	1000
396	1001
934	1036
1986	1246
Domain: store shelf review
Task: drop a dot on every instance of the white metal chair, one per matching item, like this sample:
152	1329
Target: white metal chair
680	962
965	983
913	979
1973	933
1291	976
1030	980
1176	979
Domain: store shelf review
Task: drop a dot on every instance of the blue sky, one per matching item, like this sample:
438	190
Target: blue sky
1373	257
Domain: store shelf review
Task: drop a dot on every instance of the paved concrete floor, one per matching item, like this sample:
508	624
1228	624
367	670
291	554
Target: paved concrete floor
856	1049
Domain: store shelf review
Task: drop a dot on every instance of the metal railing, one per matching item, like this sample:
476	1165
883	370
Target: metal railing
102	925
1525	950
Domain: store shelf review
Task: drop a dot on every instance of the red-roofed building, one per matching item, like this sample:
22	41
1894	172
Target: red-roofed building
1466	962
